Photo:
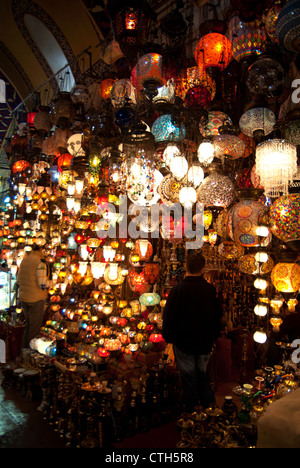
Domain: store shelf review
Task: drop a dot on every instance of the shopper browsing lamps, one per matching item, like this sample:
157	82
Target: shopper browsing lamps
192	322
33	277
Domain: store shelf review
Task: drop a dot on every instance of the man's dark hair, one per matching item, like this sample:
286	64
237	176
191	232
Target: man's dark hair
36	247
195	263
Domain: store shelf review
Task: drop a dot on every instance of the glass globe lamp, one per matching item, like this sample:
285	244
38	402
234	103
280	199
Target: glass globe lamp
210	126
206	153
188	196
285	277
288	26
213	51
149	299
179	167
216	190
163	129
261	310
195	175
257	122
284	218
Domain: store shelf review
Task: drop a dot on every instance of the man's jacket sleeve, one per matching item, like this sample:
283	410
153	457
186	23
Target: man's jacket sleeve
170	316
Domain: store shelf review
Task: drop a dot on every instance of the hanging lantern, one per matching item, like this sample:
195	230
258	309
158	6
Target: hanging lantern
42	121
288	26
62	111
149	299
131	22
285	218
285	277
105	87
216	190
213	51
188	197
151	272
137	281
206	153
179	167
64	162
244	218
144	249
197	96
276	165
149	73
228	145
230	250
122	93
247	39
265	77
209	126
164	129
74	145
249	265
257	122
20	166
270	20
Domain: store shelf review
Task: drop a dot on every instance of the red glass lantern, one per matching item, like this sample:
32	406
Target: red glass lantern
30	119
197	96
156	338
151	272
137	281
213	51
64	161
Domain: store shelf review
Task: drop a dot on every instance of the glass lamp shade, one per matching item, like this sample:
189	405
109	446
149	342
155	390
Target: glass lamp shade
149	299
265	77
195	175
285	216
169	190
197	96
213	51
247	39
179	167
143	189
194	76
165	93
285	277
169	153
149	71
210	126
288	26
144	249
20	166
261	284
42	120
258	120
122	92
250	266
164	129
98	269
291	132
137	281
151	272
206	153
270	20
74	145
64	161
105	87
228	145
276	166
230	250
243	220
188	196
216	190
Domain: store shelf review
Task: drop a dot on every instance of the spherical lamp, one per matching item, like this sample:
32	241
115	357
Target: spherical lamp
216	190
247	39
213	51
285	219
164	129
257	122
285	277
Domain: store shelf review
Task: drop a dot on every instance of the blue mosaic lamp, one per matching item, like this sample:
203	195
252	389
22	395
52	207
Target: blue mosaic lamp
164	129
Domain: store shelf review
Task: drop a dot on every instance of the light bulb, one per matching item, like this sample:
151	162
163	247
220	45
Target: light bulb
261	310
261	257
179	167
261	284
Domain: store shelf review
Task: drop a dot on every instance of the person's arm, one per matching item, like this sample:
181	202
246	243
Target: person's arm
170	315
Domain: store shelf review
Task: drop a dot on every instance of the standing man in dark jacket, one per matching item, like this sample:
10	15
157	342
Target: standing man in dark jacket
192	323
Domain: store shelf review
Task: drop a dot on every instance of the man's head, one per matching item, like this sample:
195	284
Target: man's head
195	264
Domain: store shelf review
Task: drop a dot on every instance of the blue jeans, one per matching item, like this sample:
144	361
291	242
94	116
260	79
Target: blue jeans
195	384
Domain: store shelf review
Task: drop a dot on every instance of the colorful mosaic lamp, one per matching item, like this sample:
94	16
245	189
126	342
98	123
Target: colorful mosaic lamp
247	39
284	219
288	26
286	277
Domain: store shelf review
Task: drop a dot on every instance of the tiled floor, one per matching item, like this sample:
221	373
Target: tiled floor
23	426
